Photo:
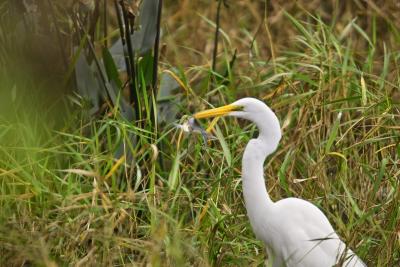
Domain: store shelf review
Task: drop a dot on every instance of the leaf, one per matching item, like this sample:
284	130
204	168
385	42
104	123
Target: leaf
363	33
113	88
363	91
351	199
118	100
173	177
337	154
124	148
81	172
115	167
146	36
224	145
282	173
167	100
88	85
333	133
111	68
145	67
347	29
299	26
381	174
138	178
142	39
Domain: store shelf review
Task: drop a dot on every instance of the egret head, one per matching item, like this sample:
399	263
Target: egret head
250	109
246	108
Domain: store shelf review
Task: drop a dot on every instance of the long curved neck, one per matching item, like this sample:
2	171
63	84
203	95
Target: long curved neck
257	199
255	193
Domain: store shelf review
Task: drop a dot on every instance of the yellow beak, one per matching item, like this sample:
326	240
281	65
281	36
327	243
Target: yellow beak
217	112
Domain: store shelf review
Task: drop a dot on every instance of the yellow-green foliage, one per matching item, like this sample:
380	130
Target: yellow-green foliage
66	200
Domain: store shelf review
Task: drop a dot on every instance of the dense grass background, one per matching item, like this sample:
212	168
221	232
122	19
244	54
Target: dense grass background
330	70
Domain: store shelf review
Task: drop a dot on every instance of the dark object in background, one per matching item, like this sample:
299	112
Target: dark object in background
36	50
41	47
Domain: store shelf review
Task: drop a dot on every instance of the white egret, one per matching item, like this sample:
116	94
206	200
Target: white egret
296	233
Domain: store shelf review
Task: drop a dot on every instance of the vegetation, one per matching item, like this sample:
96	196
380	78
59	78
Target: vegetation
89	187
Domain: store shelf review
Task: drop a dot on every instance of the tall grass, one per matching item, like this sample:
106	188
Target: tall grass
67	200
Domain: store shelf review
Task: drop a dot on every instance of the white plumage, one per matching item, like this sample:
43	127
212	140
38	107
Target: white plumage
295	232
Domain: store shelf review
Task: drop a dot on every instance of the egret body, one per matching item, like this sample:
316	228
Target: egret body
296	233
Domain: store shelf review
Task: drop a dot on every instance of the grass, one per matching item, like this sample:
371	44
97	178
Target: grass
66	200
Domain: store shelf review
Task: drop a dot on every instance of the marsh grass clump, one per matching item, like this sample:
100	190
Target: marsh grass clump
103	188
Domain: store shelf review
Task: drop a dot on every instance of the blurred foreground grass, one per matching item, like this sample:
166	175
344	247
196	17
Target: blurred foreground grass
66	200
